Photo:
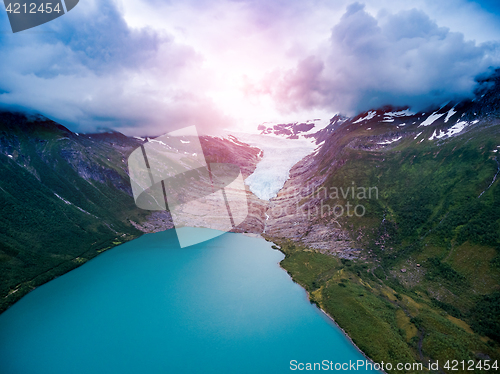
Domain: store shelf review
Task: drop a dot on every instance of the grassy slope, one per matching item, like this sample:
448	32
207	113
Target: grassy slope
446	308
41	236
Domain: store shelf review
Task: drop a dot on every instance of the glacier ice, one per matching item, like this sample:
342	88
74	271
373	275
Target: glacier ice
273	170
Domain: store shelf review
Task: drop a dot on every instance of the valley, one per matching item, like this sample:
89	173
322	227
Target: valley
415	278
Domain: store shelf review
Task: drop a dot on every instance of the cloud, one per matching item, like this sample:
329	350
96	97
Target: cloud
151	66
103	41
399	59
94	71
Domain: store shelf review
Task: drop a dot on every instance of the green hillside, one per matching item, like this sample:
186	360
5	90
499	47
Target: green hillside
64	198
427	283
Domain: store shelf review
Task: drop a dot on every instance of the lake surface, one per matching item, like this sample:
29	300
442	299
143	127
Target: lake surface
148	306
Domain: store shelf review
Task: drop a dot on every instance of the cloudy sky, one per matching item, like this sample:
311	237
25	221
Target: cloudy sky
151	66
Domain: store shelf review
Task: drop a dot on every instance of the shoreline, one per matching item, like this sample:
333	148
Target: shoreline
325	313
57	271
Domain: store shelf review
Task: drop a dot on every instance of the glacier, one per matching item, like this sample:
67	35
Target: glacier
273	169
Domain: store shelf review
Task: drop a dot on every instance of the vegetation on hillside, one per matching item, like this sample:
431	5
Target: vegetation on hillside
64	200
427	283
389	325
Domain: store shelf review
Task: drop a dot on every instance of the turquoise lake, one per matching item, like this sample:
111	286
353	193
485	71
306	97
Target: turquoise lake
148	306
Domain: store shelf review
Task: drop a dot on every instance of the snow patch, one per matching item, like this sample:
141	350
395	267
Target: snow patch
456	128
450	113
157	141
319	145
77	207
431	119
185	141
369	116
418	135
234	140
66	201
390	141
401	113
319	124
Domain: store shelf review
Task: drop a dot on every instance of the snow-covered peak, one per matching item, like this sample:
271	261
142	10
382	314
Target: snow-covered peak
294	130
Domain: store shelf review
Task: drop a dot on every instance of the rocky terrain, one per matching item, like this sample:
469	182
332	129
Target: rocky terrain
295	211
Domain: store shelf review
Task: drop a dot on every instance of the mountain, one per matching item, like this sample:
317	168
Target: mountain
407	204
392	225
294	130
66	197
